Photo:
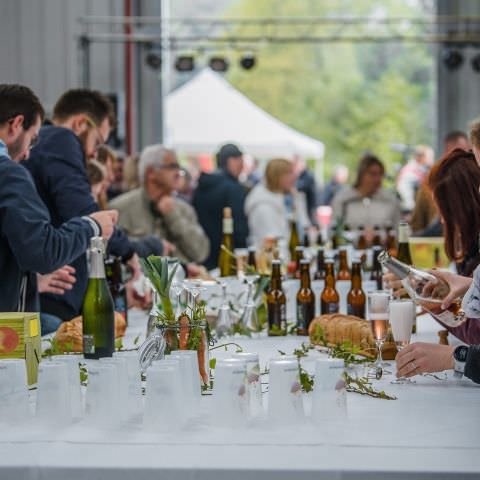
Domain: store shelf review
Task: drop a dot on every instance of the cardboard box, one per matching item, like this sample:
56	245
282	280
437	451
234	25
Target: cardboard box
20	337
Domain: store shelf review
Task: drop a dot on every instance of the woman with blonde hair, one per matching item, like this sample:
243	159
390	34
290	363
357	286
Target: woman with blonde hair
272	202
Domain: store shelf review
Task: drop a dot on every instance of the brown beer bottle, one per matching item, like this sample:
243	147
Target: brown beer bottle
305	300
298	258
320	273
306	238
376	274
390	240
329	299
356	296
362	239
377	236
252	260
294	241
343	270
276	303
226	262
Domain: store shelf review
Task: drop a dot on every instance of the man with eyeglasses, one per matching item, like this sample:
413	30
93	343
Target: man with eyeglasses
155	209
81	123
29	243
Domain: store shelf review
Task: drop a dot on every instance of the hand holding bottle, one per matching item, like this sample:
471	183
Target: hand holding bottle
107	220
449	288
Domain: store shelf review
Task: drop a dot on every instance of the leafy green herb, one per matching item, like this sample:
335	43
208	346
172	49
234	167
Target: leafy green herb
118	344
363	386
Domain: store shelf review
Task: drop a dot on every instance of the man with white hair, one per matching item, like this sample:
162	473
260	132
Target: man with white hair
153	209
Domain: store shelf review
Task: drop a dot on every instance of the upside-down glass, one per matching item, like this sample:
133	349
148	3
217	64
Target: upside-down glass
378	307
402	316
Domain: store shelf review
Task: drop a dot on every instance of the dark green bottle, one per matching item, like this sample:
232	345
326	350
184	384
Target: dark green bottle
98	310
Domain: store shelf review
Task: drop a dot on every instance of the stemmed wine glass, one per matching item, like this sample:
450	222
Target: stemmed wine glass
378	306
224	320
402	316
249	317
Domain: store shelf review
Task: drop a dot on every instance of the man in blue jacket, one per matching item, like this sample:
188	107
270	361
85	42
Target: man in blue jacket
82	121
29	243
216	191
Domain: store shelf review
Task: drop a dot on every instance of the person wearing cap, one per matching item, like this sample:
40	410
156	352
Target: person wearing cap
217	191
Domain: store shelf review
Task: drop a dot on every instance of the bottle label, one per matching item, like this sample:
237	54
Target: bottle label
277	318
88	344
305	313
330	307
448	318
228	225
403	233
356	311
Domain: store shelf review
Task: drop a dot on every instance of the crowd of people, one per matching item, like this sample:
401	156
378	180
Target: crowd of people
61	185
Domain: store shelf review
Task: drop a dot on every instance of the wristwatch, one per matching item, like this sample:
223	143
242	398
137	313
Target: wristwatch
459	359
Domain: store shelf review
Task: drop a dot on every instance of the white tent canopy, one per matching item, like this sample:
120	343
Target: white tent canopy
207	112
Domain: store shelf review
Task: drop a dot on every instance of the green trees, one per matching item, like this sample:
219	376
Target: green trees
352	97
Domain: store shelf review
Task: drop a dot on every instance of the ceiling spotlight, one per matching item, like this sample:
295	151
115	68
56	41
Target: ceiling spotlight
185	63
452	59
247	62
218	64
475	61
154	60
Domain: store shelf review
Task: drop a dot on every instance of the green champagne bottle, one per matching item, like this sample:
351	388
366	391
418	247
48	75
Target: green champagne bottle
98	311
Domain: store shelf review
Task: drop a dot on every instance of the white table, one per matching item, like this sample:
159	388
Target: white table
431	431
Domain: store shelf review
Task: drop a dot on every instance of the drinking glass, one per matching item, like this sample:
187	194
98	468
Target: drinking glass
402	316
13	392
163	404
249	317
53	394
329	392
229	393
254	384
378	305
285	402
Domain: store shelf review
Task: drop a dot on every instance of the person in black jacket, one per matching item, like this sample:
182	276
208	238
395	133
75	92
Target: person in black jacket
29	243
82	120
216	191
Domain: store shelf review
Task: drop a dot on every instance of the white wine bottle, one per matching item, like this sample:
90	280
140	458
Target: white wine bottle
98	310
226	263
415	280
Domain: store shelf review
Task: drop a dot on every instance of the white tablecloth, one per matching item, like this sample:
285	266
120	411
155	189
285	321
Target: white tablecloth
431	431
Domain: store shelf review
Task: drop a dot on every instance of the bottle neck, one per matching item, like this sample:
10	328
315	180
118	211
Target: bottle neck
343	261
403	234
398	268
330	276
276	277
97	267
356	276
227	226
305	276
320	260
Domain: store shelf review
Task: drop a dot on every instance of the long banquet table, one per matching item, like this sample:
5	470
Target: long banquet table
431	431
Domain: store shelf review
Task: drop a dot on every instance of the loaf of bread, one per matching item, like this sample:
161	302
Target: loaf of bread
337	328
69	335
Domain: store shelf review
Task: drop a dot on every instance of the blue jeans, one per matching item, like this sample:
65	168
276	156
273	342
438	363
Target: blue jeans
49	323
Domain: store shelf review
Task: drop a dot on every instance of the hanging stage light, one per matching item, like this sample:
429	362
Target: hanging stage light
185	63
154	60
218	64
248	61
475	62
452	59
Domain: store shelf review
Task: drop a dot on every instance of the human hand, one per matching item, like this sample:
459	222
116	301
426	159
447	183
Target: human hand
166	204
421	357
134	264
58	281
390	280
168	248
451	286
194	270
107	220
